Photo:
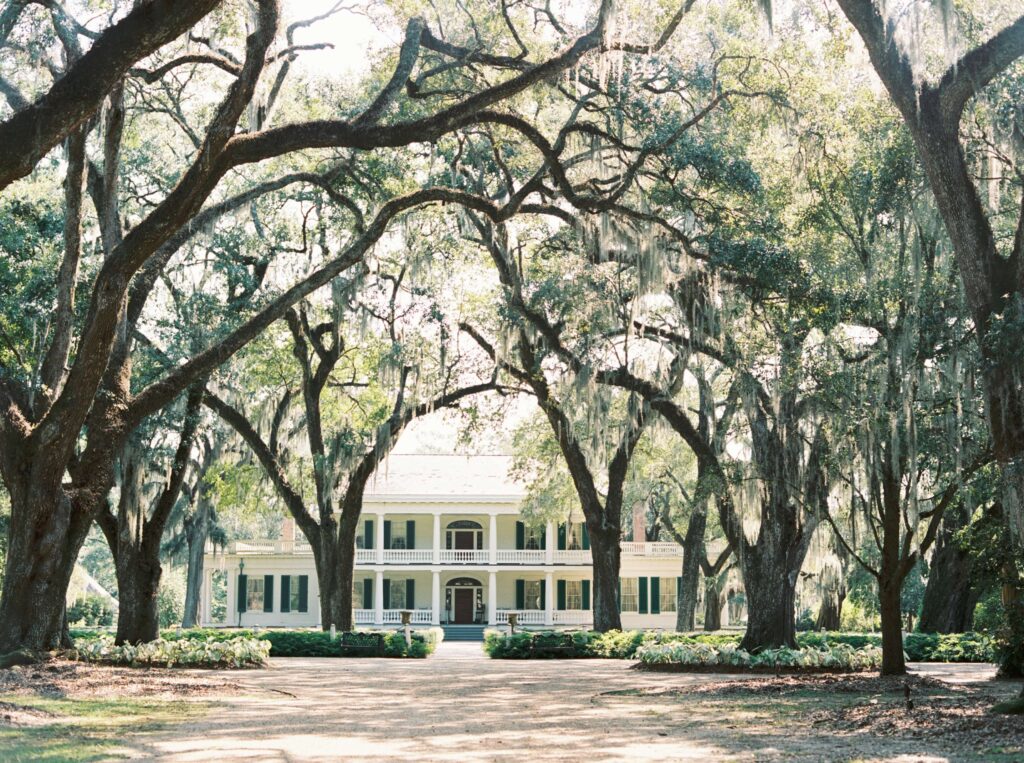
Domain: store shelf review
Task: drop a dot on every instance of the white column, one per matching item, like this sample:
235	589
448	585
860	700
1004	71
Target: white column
378	599
493	544
492	599
435	599
437	538
206	598
379	541
549	543
549	598
231	613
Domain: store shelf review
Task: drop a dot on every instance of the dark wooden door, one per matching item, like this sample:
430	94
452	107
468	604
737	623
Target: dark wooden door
464	540
464	605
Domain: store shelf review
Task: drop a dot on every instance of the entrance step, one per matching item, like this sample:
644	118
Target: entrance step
463	632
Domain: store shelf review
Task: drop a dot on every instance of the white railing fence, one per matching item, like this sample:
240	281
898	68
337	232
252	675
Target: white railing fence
572	617
526	616
464	556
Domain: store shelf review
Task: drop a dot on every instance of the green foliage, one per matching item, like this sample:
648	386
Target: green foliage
841	657
294	643
91	610
919	647
237	652
170	599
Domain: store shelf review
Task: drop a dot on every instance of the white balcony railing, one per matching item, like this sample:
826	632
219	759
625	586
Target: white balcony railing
652	548
572	557
419	616
362	616
572	616
449	556
507	556
464	556
408	556
526	616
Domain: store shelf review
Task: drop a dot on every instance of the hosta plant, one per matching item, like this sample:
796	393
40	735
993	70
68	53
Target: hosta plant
232	653
839	657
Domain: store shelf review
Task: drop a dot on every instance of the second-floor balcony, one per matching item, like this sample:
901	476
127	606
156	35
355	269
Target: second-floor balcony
452	556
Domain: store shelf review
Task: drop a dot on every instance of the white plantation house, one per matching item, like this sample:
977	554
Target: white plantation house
442	536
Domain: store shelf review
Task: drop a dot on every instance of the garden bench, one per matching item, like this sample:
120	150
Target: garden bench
560	644
371	644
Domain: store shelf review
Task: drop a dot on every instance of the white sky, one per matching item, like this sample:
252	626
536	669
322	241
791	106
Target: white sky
354	36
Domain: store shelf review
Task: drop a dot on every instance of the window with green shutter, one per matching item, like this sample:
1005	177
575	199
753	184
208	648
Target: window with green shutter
410	533
585	594
560	601
368	533
302	605
410	594
520	537
368	593
243	592
286	593
655	596
268	593
520	594
642	598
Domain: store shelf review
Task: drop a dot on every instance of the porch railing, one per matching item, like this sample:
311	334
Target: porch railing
526	616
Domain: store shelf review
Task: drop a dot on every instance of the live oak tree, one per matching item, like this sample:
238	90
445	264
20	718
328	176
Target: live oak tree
938	112
65	419
356	396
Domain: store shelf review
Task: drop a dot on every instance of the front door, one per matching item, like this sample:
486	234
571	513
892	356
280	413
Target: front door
465	540
464	605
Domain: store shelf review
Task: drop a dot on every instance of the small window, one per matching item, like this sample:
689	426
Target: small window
397	595
295	602
574	594
254	593
668	595
533	538
574	541
532	589
630	595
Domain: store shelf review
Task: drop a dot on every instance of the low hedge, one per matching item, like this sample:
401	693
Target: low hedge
237	652
729	658
919	647
295	643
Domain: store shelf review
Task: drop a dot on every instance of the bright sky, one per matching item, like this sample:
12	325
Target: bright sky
353	34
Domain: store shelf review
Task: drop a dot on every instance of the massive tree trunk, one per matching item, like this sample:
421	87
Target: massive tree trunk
950	595
138	582
196	538
714	600
47	531
770	586
831	611
606	553
889	601
693	553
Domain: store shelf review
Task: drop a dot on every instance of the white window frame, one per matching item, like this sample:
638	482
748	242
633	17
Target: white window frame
574	594
667	594
630	595
254	589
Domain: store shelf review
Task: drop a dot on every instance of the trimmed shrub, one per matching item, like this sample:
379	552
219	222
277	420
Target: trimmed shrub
841	657
920	647
239	652
294	643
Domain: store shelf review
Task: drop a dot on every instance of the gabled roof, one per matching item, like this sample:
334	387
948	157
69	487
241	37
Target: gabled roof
406	476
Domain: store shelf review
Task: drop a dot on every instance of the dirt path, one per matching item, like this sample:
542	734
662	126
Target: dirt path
457	706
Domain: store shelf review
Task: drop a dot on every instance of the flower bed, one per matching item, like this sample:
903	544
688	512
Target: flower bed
919	647
239	652
288	642
728	658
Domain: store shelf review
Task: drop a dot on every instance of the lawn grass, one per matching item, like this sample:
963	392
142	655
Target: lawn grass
88	729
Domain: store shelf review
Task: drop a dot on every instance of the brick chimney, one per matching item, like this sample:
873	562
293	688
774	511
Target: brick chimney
288	535
639	522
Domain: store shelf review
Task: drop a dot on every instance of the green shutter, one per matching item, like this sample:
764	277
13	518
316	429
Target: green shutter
387	533
655	596
586	594
560	601
368	534
387	592
586	537
618	599
561	536
520	536
368	593
543	533
543	592
410	594
520	594
303	593
268	593
243	584
286	593
410	533
641	587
